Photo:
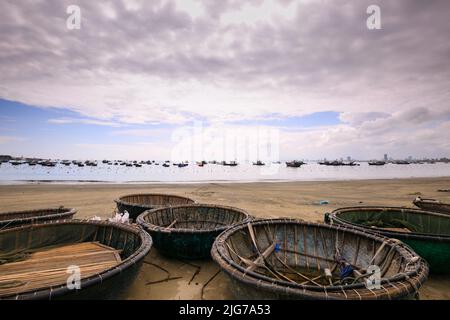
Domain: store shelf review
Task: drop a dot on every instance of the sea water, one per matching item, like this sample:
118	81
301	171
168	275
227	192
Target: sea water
244	172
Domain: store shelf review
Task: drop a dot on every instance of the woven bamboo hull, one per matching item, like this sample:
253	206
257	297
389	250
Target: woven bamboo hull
184	245
433	206
195	230
136	204
433	246
19	218
311	249
435	252
111	283
115	288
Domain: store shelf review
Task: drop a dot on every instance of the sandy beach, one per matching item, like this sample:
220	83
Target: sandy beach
291	199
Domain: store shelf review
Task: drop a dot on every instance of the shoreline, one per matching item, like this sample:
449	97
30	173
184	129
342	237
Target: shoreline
195	182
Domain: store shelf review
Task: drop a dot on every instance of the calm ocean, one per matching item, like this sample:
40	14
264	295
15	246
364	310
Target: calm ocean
244	172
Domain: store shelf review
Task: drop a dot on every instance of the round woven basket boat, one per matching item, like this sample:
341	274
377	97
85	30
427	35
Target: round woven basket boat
16	218
292	259
135	204
427	233
432	205
132	242
188	231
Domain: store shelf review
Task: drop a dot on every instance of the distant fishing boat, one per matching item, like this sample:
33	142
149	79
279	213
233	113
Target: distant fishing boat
229	164
350	164
166	165
331	163
188	231
259	163
292	259
48	164
337	163
432	205
426	232
16	218
377	163
135	204
182	165
294	164
38	259
401	162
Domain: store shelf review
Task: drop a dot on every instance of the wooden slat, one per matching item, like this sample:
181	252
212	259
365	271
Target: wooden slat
49	267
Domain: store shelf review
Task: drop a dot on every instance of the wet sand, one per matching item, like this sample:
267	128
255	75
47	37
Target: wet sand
288	199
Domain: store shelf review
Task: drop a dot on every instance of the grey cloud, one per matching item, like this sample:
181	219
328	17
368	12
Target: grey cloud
398	76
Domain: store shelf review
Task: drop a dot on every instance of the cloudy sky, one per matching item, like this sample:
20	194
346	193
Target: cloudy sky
139	71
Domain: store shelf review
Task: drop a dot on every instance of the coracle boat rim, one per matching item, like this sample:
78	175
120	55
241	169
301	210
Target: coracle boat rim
138	254
152	227
219	247
392	234
147	206
68	212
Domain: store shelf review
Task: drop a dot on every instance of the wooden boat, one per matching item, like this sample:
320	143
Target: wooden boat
230	164
350	164
292	259
38	260
427	233
188	231
16	218
432	205
49	164
259	163
402	162
135	204
377	163
334	163
294	164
